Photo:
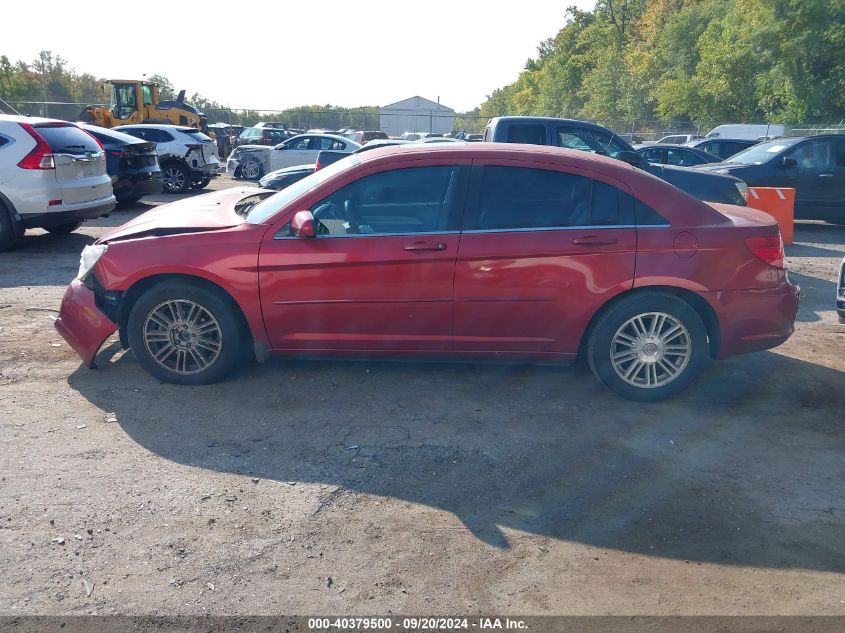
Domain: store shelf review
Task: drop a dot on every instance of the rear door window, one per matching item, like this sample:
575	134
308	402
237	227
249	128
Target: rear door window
587	140
67	139
530	133
518	198
681	157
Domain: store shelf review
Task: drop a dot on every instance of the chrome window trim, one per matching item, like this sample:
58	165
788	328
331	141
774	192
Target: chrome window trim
324	237
570	228
477	231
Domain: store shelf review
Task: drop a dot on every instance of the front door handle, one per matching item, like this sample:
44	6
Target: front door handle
594	240
425	246
825	175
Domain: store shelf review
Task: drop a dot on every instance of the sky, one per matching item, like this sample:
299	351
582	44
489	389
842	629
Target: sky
277	55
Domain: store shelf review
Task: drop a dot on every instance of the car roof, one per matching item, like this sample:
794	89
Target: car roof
157	126
336	137
545	119
113	134
669	146
20	118
719	138
540	153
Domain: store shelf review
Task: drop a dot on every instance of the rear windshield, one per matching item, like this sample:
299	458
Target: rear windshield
198	136
763	152
67	139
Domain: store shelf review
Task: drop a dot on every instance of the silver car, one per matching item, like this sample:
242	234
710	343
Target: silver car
253	161
52	176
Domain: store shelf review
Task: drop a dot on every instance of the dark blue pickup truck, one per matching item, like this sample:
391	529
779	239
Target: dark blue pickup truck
589	137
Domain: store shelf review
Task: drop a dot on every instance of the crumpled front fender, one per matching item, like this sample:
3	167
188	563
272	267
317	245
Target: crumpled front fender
82	324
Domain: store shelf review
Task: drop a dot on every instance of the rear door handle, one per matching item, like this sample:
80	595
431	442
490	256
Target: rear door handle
594	240
825	175
425	246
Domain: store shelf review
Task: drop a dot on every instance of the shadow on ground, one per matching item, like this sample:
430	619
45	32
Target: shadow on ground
745	469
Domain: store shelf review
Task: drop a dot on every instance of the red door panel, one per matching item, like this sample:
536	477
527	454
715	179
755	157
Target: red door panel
358	292
534	288
542	293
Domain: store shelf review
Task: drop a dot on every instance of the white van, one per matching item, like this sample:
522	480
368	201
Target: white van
751	132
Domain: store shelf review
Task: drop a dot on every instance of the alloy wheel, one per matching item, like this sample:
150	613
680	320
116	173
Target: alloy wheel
250	169
182	336
650	350
174	179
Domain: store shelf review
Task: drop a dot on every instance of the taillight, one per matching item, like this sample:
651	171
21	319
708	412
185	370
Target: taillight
116	152
41	156
769	249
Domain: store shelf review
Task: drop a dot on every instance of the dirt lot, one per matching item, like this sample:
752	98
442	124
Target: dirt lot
353	488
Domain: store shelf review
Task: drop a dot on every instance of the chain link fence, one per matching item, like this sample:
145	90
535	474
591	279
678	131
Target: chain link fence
369	118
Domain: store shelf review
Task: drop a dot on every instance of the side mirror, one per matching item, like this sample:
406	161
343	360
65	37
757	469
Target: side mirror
302	224
788	163
632	158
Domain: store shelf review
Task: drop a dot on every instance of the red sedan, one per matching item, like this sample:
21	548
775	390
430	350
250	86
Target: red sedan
483	251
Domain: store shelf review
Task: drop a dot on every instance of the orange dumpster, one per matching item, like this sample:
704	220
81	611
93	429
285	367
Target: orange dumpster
779	202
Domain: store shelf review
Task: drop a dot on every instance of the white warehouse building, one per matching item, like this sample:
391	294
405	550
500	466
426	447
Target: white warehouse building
416	115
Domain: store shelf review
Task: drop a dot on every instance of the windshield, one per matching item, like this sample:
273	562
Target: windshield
275	203
762	153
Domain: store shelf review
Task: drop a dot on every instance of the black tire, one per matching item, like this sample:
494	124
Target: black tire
249	168
128	200
176	177
10	232
225	331
202	183
656	360
64	229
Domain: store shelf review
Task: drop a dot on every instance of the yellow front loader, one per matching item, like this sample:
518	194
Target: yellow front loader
133	101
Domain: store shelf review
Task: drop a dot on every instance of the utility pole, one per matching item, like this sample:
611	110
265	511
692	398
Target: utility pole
43	56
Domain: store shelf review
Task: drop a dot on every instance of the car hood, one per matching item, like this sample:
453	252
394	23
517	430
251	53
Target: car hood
727	168
288	170
209	212
252	148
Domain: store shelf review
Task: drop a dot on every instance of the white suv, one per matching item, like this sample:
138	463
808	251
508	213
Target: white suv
52	176
188	157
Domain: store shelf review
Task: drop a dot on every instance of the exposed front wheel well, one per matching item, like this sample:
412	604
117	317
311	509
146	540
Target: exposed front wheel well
131	296
695	301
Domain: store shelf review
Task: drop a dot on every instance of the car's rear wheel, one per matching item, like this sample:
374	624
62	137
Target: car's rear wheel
184	333
251	169
176	177
648	347
202	183
64	229
10	232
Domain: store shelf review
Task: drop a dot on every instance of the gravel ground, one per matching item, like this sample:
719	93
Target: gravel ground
376	488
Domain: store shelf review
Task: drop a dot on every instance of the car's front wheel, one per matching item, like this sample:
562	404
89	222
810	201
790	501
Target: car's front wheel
64	229
648	347
251	169
184	333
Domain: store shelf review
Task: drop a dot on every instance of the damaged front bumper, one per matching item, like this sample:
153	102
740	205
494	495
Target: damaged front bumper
82	324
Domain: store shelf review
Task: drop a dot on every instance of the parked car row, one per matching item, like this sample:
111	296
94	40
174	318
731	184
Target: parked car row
55	174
